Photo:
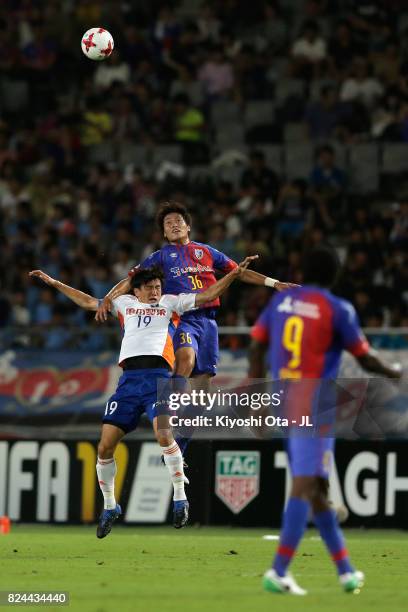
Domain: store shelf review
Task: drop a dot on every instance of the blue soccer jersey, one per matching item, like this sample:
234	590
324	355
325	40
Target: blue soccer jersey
188	268
191	268
307	329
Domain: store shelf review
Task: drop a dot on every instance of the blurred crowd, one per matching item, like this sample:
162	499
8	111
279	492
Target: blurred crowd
88	150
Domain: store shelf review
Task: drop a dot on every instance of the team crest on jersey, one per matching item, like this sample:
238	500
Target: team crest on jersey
237	478
198	253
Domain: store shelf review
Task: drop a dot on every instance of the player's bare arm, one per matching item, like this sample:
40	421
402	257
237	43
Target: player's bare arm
257	368
105	307
220	286
371	362
255	278
79	297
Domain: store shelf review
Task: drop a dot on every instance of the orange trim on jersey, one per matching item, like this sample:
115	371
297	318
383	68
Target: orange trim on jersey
175	319
121	320
168	351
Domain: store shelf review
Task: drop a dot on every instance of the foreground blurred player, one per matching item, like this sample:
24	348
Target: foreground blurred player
306	329
189	267
146	357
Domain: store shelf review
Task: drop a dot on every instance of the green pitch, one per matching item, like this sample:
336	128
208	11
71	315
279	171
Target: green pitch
195	569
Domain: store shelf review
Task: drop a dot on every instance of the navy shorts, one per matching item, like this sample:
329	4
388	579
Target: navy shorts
136	393
198	330
310	456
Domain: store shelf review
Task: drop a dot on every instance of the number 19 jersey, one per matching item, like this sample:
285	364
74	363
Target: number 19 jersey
147	327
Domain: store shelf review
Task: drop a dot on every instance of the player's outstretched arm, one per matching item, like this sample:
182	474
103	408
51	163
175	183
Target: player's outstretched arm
220	286
105	307
255	278
257	368
79	297
371	362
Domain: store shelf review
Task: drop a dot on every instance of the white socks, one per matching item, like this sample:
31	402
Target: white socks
106	470
174	462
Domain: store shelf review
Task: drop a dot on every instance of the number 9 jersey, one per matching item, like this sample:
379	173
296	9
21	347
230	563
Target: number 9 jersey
307	328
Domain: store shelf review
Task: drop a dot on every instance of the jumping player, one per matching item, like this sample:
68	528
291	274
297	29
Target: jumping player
189	267
306	330
146	357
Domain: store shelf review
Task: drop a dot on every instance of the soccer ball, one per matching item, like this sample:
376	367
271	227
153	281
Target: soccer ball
97	44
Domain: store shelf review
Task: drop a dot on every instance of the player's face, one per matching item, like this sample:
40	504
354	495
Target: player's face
150	292
175	228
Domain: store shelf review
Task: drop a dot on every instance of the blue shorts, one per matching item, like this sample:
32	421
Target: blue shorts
310	456
136	393
198	330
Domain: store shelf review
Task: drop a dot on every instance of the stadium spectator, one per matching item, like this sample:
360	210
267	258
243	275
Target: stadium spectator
343	48
208	24
112	70
216	74
189	129
360	86
309	52
327	116
258	174
97	122
291	209
326	178
271	33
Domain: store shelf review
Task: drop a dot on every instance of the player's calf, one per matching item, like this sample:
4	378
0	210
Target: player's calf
174	463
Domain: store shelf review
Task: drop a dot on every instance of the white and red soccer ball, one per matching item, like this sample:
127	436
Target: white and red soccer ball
97	44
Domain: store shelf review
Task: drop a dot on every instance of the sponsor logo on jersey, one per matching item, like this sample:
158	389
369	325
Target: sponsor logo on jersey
198	253
146	311
237	478
173	255
297	307
190	269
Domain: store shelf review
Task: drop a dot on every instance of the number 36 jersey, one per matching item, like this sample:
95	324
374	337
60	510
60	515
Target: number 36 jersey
147	327
188	268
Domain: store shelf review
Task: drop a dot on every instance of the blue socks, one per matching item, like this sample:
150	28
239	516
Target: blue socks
329	529
293	527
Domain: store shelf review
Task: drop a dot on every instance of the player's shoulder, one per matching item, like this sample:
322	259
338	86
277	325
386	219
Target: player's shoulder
168	300
343	307
126	298
153	257
199	245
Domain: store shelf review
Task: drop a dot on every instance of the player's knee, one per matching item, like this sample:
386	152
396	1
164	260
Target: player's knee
106	449
316	494
304	488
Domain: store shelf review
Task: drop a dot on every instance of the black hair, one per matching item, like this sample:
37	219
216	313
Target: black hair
166	208
145	275
321	266
325	149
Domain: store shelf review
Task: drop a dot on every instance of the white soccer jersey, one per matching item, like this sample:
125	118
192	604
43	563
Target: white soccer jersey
146	326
